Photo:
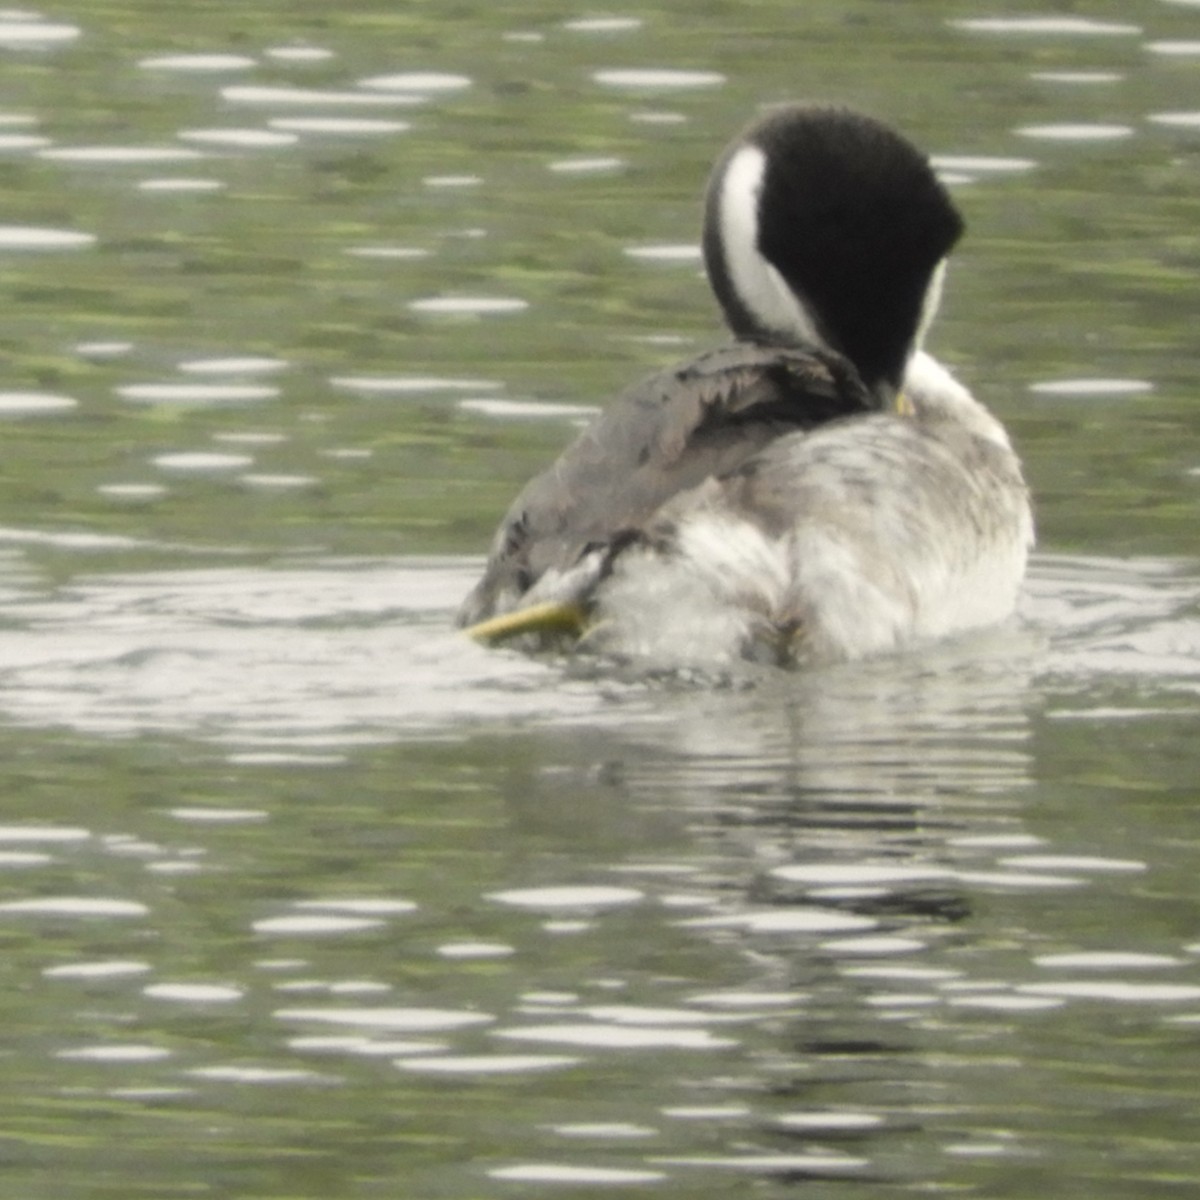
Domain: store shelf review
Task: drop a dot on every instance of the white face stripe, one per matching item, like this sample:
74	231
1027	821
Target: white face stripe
757	284
929	303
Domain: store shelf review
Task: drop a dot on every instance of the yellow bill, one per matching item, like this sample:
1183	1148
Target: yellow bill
551	617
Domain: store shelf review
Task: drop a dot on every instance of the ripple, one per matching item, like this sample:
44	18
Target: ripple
873	946
981	163
296	97
361	906
400	253
22	141
181	185
279	483
201	462
33	237
120	155
469	305
658	118
299	54
452	181
687	253
1075	132
132	491
19	33
1175	49
23	858
657	78
603	24
259	1075
102	350
206	816
1077	77
196	393
411	1020
643	1014
73	906
199	63
528	408
417	81
341	987
753	1000
1092	387
575	1176
1176	120
557	899
407	385
859	874
707	1112
828	1121
245	365
314	924
1005	1002
785	920
349	1043
251	437
115	1054
1073	862
241	139
487	1064
619	1037
584	165
338	126
34	404
1018	879
1101	960
1119	990
475	950
194	993
608	1130
43	833
1074	26
772	1164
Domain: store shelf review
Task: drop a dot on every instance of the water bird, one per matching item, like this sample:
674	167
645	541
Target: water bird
819	490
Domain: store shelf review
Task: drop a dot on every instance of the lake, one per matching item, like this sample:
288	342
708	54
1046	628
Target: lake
304	894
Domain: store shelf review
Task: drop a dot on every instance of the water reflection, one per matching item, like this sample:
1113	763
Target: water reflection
20	31
25	237
159	651
479	923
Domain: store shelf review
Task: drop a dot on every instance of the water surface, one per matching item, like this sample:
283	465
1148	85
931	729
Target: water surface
307	896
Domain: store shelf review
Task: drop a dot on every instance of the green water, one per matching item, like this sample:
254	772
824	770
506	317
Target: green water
282	861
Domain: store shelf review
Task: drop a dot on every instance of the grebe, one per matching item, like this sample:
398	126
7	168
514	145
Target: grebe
819	490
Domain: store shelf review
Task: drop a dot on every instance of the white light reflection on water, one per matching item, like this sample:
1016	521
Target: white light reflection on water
198	63
293	656
239	139
297	97
120	155
417	81
338	126
34	404
1048	26
28	237
20	31
181	185
196	393
655	79
1067	131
